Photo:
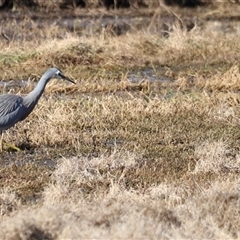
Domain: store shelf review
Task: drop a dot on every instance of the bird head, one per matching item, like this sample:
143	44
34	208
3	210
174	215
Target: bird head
56	73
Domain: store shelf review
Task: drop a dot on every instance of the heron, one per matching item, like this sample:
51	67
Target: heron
14	108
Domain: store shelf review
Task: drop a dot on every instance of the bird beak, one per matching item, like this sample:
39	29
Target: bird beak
66	78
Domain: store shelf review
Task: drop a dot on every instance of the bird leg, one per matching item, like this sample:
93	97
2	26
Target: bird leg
1	142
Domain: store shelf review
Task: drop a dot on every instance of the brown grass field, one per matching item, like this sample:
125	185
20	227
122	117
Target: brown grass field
110	158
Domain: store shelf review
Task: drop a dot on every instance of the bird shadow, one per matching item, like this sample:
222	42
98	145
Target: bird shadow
26	146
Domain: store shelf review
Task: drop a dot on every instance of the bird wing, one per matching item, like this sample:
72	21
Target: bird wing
10	110
9	103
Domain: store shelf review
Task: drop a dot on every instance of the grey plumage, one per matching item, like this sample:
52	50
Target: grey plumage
15	108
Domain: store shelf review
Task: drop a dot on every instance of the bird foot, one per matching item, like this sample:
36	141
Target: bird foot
7	145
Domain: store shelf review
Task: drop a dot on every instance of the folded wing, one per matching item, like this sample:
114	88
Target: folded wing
11	110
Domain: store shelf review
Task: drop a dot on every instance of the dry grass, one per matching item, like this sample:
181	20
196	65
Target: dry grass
184	209
129	160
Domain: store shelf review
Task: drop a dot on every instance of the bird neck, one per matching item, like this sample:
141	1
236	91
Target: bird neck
37	92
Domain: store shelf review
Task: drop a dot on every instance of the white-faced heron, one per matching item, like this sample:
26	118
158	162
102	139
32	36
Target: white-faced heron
15	108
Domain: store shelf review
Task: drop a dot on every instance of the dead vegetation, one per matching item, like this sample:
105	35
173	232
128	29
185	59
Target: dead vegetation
184	209
151	159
